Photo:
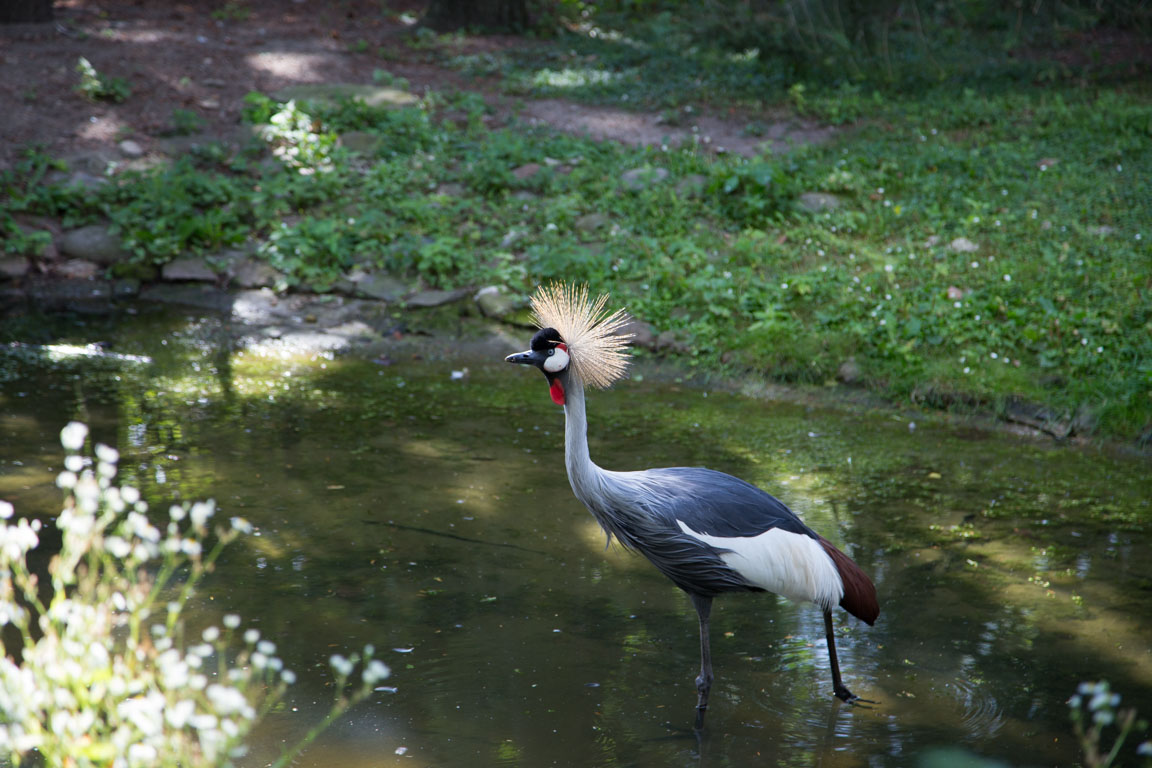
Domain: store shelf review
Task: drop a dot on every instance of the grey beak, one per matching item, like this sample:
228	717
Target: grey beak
525	358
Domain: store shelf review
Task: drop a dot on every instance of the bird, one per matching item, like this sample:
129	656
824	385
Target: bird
709	532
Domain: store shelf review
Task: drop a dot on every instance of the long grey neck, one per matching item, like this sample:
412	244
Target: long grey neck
586	478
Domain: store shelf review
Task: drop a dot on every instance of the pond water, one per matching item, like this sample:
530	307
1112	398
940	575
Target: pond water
432	517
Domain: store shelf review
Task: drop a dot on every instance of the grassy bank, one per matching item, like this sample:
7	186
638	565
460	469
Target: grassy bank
989	242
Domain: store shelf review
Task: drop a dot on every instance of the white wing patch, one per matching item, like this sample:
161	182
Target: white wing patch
789	564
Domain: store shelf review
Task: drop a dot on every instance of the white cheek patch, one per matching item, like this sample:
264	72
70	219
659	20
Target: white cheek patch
557	361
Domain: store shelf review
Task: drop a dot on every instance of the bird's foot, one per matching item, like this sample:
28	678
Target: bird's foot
701	710
841	692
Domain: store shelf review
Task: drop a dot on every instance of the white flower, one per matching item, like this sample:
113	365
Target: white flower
1007	278
340	665
178	714
176	512
141	528
201	511
231	620
107	453
72	436
375	671
117	546
241	525
266	647
142	754
144	712
211	634
288	676
252	636
225	699
6	510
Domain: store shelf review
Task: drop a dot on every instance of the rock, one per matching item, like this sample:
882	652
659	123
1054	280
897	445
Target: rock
85	180
378	285
331	94
638	179
667	341
253	273
963	245
692	185
125	288
135	270
1086	420
13	267
590	222
362	142
76	269
643	333
193	269
495	303
818	202
94	243
512	236
355	330
188	294
130	149
849	372
59	291
436	298
527	171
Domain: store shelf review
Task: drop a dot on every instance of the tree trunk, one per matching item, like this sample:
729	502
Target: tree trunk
25	11
450	15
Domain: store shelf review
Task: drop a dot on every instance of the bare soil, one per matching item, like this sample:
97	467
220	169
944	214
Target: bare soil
205	56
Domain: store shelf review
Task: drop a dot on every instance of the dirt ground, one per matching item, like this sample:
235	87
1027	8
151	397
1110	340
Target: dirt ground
205	56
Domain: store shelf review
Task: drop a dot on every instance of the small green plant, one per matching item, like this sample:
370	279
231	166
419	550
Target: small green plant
185	122
101	671
1093	708
233	10
97	87
258	108
387	79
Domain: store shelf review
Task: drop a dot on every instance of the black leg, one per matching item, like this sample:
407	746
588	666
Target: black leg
704	681
838	688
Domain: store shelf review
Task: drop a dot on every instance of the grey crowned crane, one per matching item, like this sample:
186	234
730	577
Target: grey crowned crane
707	531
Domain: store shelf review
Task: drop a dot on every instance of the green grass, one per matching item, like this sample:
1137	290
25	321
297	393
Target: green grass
1052	308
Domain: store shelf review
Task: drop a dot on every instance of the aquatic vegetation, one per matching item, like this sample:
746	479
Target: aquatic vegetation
102	669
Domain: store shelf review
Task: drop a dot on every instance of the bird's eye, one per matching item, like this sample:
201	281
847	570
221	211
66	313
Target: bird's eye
551	351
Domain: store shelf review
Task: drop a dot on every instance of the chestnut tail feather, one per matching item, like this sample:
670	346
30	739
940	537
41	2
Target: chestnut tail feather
859	593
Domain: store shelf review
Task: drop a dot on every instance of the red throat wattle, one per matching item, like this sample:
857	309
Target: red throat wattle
557	392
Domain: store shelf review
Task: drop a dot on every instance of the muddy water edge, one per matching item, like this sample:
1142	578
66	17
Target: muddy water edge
429	514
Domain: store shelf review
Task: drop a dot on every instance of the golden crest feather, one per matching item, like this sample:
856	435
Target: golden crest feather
596	346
